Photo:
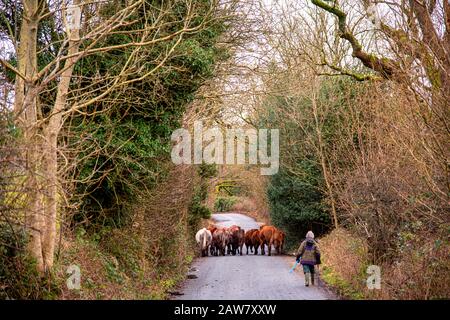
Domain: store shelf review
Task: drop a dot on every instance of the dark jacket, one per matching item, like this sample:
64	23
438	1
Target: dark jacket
309	252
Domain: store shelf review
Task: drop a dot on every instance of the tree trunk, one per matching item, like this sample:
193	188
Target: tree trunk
51	133
25	108
323	161
40	141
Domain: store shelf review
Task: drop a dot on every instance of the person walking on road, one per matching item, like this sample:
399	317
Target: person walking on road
308	254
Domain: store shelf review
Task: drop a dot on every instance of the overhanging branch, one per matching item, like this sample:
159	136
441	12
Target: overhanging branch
384	66
346	72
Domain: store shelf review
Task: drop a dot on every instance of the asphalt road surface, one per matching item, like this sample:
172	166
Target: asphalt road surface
246	277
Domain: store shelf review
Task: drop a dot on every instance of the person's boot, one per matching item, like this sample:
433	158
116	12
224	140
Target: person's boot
312	279
307	276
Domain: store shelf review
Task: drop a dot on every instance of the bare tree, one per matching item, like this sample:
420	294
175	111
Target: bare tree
80	35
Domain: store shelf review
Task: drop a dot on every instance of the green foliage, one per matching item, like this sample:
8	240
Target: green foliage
132	140
224	204
113	272
129	161
18	276
125	137
296	194
207	170
231	188
197	210
344	288
296	203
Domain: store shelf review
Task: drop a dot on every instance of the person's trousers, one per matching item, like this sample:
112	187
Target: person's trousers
308	268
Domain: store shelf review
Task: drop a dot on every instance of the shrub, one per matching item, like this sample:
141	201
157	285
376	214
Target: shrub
224	204
197	209
296	203
18	276
421	271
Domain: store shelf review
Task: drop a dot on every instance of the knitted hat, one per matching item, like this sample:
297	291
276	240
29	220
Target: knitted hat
310	234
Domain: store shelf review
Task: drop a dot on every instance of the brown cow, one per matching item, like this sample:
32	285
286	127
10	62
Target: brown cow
252	240
237	238
248	240
220	241
228	240
256	241
212	228
278	240
241	236
270	235
212	248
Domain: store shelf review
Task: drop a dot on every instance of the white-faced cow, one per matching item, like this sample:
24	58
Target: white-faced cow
203	238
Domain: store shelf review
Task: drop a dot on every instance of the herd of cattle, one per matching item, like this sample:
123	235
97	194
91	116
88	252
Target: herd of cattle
223	241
